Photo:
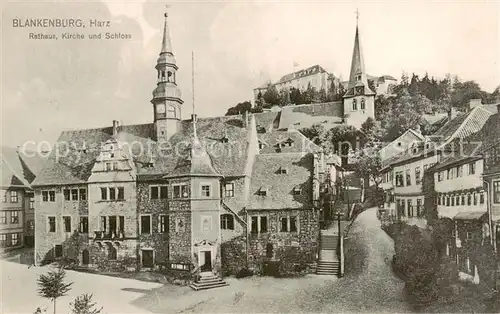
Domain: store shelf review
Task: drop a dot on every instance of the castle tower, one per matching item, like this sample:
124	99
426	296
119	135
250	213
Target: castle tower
359	99
166	100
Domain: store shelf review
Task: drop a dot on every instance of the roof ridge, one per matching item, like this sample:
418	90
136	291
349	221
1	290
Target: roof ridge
20	178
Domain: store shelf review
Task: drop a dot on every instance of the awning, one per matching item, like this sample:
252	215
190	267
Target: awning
470	215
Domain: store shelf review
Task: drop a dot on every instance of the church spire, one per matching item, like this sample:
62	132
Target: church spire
166	44
358	77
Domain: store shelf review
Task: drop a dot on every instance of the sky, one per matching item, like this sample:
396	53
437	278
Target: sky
53	85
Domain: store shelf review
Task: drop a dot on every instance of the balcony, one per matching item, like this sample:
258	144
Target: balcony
108	235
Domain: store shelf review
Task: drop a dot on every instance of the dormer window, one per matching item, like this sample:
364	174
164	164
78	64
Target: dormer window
297	190
261	145
282	171
288	142
226	140
263	191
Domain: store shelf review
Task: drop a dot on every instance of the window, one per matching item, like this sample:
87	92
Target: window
31	224
262	192
227	222
84	224
457	200
32	203
354	104
449	175
14	239
362	104
52	224
104	193
163	224
469	199
297	191
399	178
254	225
14	217
448	200
284	224
496	192
13	197
74	194
293	224
462	197
474	197
3	217
452	201
3	240
4	199
459	171
468	235
418	179
83	194
180	191
282	171
440	177
481	198
154	193
258	224
408	177
67	223
45	196
205	190
121	193
163	192
472	168
66	194
263	224
52	196
229	191
439	200
112	193
145	224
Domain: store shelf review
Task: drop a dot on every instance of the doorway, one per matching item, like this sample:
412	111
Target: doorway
85	257
207	266
147	258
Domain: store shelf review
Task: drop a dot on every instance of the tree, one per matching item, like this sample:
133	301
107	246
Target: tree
367	165
52	285
316	133
83	305
239	108
284	97
271	96
372	130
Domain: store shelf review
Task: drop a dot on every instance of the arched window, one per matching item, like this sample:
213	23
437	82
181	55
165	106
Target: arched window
362	104
162	75
170	77
354	104
227	222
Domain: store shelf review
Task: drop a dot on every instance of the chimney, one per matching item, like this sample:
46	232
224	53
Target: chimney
115	127
244	117
476	102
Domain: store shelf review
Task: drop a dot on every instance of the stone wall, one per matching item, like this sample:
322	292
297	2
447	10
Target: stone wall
289	247
155	207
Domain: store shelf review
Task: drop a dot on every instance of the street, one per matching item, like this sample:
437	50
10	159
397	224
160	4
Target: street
368	286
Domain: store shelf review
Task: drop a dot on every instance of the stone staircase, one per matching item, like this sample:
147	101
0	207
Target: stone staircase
208	282
328	263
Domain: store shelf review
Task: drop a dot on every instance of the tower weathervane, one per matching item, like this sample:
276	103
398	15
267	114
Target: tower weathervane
357	16
166	9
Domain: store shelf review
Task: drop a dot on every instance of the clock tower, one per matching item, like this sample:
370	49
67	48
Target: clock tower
166	100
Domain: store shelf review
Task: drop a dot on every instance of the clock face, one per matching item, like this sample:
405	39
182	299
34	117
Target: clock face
160	108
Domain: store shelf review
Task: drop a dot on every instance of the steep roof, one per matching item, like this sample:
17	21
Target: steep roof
19	167
463	125
280	187
286	142
223	137
358	68
304	116
268	120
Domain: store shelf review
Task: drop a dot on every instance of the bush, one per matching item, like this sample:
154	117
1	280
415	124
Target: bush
244	272
67	263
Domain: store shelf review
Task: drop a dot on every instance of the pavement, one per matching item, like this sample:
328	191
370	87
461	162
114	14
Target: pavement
368	286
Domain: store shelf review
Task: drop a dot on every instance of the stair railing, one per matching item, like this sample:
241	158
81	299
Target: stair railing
341	270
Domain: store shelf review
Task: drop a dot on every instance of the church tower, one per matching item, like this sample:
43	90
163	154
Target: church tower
166	100
359	99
